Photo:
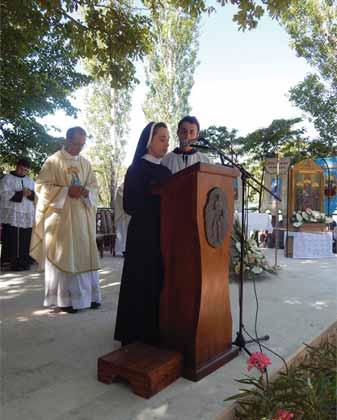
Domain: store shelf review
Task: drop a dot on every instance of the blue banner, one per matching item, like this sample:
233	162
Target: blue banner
329	166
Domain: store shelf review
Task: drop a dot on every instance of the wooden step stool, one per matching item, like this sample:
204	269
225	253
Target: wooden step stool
147	369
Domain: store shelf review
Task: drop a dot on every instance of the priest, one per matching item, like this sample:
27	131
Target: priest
64	234
185	155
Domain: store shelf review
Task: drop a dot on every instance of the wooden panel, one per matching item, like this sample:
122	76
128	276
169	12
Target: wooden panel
195	317
147	369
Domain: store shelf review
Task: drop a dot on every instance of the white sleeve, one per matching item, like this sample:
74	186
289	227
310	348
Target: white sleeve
90	200
7	188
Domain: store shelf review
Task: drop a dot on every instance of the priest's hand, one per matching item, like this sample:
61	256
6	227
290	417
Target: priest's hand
75	191
85	193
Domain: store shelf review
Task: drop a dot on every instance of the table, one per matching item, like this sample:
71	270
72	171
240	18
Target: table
311	245
260	222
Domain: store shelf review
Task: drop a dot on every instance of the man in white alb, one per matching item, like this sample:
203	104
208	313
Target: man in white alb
184	155
17	216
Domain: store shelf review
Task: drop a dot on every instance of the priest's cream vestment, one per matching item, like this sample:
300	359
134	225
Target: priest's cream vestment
64	234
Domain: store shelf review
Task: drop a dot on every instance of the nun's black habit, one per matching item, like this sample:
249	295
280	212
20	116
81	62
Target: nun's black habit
138	305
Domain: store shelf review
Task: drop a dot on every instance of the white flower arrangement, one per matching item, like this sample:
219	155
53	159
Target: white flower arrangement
255	262
309	216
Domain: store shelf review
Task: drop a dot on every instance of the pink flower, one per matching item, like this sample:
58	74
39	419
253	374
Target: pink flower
283	415
258	360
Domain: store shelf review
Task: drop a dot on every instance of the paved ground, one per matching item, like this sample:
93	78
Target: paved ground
49	359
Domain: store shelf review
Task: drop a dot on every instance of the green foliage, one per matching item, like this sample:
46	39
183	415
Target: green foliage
308	390
112	34
253	149
224	140
314	98
312	26
247	15
107	116
279	137
27	139
38	72
266	142
44	41
170	65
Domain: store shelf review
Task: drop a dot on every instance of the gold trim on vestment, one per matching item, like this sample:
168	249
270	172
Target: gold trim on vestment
70	272
39	238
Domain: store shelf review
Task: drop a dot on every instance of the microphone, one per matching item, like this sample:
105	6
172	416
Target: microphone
204	143
203	140
200	146
194	143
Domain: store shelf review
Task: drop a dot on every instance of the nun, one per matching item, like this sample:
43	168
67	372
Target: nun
142	278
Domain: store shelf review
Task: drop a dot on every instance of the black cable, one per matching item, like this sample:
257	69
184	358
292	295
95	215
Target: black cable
258	307
256	311
255	325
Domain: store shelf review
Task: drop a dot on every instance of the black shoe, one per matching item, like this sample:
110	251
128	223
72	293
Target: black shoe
95	305
68	309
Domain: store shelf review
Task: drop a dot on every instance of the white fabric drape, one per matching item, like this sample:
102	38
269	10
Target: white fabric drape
121	222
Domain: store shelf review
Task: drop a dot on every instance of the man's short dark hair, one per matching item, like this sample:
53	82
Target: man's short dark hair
189	119
73	130
23	162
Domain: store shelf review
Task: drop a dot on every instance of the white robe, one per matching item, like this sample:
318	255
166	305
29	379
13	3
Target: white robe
121	222
179	161
16	214
76	290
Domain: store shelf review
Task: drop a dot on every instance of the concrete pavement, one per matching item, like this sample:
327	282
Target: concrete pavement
48	368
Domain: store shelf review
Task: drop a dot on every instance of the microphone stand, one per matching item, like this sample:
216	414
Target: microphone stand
246	177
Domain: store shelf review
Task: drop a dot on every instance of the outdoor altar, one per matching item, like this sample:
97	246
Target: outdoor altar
307	235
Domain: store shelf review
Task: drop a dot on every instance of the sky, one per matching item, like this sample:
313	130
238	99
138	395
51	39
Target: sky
241	83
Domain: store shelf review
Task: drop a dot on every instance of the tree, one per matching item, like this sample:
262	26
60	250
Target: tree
38	72
170	65
312	26
107	116
42	44
266	142
43	41
315	99
224	140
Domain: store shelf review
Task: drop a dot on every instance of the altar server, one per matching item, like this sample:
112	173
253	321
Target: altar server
184	155
17	216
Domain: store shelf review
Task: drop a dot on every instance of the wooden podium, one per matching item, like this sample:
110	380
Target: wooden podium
197	206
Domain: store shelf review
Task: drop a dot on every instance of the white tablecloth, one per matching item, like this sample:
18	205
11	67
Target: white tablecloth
259	221
312	245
